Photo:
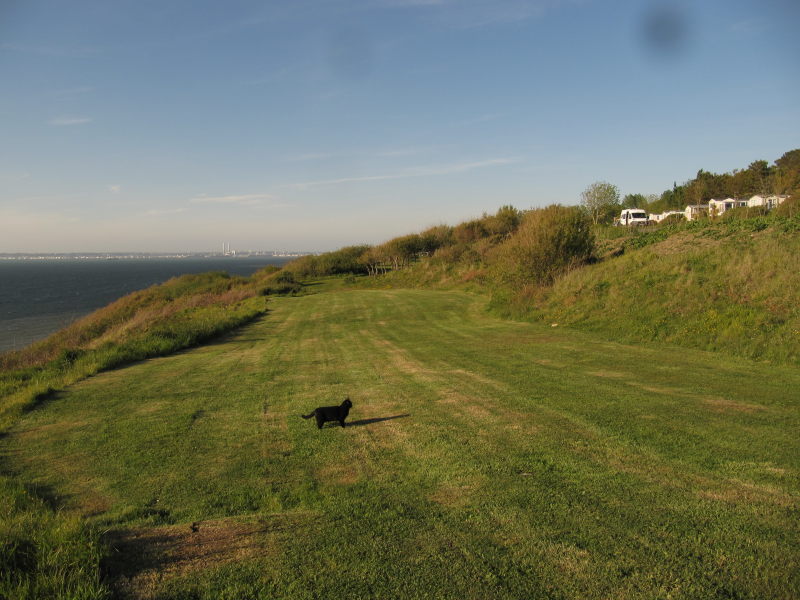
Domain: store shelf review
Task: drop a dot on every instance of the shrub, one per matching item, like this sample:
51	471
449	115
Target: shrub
743	212
789	207
436	237
672	220
285	277
504	222
549	241
468	232
343	261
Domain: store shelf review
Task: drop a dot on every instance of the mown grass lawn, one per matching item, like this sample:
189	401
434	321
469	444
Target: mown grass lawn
483	459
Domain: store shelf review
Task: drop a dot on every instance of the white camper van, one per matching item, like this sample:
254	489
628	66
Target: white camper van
632	216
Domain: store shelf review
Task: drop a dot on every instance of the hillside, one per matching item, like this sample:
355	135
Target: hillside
734	291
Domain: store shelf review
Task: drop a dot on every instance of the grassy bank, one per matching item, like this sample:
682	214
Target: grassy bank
714	288
49	554
484	459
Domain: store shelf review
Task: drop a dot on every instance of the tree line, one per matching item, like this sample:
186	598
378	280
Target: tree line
602	199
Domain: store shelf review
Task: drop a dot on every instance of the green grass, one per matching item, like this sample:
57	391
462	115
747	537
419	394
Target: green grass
717	288
485	459
46	554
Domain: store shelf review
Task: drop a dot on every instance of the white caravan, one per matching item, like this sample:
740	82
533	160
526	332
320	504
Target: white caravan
633	216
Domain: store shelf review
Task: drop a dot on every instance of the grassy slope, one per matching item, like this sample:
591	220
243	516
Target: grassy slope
46	554
735	293
485	459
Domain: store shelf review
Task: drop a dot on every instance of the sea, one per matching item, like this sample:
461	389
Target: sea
39	297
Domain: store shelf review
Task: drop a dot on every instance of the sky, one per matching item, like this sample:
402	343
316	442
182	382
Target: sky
177	125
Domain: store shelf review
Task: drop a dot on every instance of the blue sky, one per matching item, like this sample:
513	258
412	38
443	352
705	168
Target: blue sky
159	125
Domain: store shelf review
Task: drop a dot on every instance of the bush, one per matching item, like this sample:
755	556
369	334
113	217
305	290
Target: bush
549	241
743	212
343	261
504	222
468	232
789	207
672	220
285	277
436	237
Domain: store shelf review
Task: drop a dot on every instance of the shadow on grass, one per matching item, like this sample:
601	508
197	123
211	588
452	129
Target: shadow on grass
42	399
139	559
361	422
226	337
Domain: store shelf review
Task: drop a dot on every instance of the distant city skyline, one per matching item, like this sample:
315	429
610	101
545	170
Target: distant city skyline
174	126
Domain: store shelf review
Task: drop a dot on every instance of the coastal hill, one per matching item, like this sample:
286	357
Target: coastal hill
543	407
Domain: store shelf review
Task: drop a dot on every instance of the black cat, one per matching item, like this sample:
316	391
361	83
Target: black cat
331	413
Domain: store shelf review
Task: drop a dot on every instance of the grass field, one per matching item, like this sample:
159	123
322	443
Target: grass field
483	459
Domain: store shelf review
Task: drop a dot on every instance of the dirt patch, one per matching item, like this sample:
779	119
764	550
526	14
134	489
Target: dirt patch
141	558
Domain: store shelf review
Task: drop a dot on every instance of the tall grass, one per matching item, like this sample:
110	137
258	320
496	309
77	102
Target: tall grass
45	553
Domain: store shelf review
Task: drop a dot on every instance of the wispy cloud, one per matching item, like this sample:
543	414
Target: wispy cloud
421	171
114	188
244	199
69	121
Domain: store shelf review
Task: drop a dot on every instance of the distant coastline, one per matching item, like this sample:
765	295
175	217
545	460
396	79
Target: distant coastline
147	255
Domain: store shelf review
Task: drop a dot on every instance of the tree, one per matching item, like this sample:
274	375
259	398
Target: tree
761	175
634	201
598	197
787	172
